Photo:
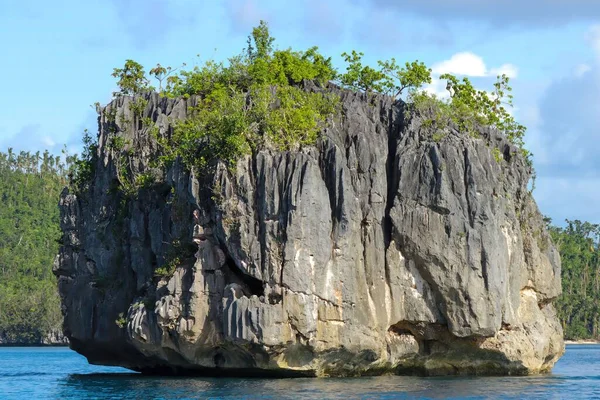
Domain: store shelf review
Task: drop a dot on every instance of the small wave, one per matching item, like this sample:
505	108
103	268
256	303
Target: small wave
578	378
108	375
21	374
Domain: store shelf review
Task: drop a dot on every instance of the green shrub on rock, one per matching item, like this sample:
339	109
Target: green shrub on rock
390	78
259	99
256	100
468	109
132	78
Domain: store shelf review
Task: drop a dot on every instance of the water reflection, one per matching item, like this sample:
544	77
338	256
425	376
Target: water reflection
387	387
62	374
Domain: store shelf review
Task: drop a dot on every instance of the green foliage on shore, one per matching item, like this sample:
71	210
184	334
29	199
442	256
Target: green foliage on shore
578	307
30	184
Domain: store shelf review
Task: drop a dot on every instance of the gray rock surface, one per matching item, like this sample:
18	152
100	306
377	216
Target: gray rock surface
378	250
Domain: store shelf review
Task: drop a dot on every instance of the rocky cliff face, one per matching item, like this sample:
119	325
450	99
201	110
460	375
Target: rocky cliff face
378	250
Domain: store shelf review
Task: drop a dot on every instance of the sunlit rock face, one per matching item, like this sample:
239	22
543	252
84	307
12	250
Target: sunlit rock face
377	250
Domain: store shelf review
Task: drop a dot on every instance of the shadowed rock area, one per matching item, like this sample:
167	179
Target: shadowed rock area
379	250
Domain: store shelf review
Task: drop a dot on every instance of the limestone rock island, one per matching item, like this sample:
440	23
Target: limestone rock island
378	249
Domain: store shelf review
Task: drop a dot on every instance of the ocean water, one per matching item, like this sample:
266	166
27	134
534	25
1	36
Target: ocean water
59	373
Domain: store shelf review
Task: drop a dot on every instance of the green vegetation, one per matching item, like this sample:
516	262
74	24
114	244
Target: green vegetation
255	100
132	78
30	184
168	269
259	99
578	307
469	108
179	252
81	168
497	154
390	78
121	321
483	108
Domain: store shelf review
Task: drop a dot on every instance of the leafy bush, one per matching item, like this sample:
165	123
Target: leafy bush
390	79
81	168
469	108
137	106
478	107
435	113
359	76
497	155
397	79
216	128
255	100
121	322
132	78
147	179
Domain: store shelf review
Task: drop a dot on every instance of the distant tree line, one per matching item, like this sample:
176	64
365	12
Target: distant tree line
579	306
30	184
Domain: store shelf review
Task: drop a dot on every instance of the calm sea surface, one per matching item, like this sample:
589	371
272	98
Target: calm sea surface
59	373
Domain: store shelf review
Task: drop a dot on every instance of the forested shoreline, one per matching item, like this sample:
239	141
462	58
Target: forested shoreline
30	185
578	307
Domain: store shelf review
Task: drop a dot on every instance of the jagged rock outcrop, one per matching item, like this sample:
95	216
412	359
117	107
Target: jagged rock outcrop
378	250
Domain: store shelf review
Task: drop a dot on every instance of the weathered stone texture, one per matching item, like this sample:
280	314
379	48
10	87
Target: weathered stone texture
378	250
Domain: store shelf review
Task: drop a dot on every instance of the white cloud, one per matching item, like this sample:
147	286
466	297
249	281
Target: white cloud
465	63
470	64
581	70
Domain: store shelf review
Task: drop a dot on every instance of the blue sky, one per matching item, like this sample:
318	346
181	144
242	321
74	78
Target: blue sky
57	58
